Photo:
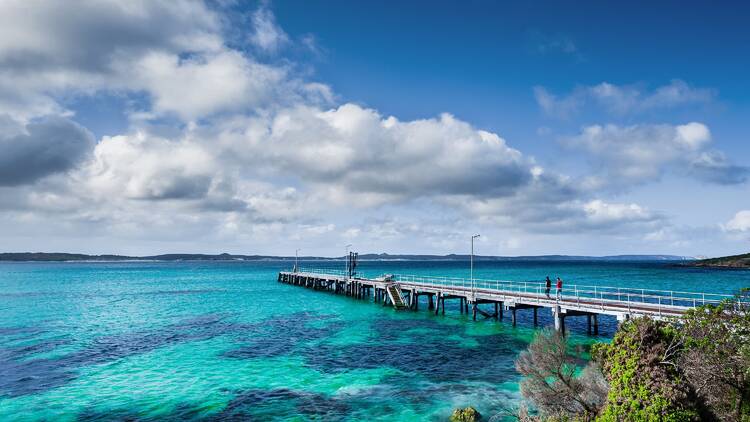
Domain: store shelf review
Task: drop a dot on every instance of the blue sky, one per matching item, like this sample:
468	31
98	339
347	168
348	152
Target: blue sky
142	127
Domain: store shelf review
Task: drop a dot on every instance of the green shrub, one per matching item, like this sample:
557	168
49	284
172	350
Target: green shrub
645	381
468	414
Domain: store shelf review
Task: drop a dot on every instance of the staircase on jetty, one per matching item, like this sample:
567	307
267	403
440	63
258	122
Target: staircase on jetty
405	291
394	293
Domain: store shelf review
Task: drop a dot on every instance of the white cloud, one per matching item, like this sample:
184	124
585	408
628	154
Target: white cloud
58	49
570	215
692	135
144	167
358	149
739	223
623	156
205	85
622	99
172	52
599	211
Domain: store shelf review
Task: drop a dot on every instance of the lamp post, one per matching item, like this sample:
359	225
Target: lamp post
347	259
296	267
473	294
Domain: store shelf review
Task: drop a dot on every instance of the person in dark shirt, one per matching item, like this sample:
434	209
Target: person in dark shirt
547	286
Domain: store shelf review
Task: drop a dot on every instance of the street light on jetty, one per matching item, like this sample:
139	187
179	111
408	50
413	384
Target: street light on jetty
346	257
473	293
296	267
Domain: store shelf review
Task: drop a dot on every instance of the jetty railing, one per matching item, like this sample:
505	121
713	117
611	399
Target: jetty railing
329	271
570	292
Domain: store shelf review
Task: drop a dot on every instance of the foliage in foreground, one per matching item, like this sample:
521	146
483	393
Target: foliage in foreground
694	368
645	381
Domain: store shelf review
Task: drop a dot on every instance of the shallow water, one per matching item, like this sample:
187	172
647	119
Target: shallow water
225	341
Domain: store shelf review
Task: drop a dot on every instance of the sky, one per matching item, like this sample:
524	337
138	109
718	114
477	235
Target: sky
144	127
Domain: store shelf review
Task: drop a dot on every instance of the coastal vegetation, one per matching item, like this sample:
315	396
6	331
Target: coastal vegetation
734	261
552	380
468	414
689	369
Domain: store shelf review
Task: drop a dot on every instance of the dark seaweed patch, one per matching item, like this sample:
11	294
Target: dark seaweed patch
282	336
427	353
248	405
268	404
20	352
15	331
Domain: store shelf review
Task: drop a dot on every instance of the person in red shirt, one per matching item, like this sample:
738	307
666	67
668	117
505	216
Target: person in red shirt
559	288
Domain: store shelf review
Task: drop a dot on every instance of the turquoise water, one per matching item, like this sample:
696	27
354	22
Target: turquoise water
225	341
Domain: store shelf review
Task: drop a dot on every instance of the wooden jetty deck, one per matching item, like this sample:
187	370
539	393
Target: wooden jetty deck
404	291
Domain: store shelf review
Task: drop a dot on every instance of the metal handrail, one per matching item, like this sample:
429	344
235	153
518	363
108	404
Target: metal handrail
332	271
599	292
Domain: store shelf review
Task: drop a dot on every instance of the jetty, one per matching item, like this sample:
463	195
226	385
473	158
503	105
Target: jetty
491	298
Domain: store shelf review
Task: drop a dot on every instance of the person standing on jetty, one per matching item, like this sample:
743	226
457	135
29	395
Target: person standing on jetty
559	288
547	286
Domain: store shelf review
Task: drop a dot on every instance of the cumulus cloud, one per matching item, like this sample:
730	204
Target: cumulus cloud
622	99
143	167
600	212
569	215
739	223
626	155
363	151
202	85
40	148
347	155
173	52
40	35
48	50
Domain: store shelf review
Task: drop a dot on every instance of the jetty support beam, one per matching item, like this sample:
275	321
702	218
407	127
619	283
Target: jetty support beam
559	318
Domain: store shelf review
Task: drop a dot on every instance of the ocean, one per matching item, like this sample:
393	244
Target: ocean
224	341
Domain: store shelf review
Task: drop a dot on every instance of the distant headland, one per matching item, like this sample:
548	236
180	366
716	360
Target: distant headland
734	261
62	257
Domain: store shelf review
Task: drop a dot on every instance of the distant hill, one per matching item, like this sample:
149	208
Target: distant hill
734	261
43	256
